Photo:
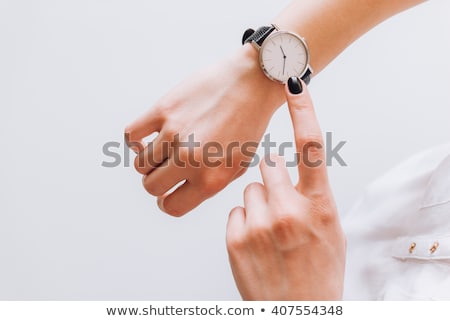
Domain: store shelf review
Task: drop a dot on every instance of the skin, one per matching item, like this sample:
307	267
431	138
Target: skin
242	89
287	243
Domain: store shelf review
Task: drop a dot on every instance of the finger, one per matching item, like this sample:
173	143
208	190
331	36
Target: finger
236	227
308	137
142	127
163	178
276	177
153	155
240	253
182	200
255	203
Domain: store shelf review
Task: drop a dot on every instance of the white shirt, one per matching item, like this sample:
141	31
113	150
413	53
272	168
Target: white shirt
398	233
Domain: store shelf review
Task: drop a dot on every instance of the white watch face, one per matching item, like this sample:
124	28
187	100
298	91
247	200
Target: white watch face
284	55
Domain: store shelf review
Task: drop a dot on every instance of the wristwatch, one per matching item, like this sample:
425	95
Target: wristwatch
282	54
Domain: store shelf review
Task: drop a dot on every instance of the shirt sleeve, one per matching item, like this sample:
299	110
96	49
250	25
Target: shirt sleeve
392	228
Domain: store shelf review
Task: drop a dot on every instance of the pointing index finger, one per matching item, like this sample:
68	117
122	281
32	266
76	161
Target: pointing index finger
308	137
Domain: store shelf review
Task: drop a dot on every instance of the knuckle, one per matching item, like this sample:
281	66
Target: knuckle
152	189
173	209
210	187
140	164
235	244
235	240
132	142
171	130
172	127
324	211
213	182
312	150
252	187
310	142
283	227
289	231
259	235
185	156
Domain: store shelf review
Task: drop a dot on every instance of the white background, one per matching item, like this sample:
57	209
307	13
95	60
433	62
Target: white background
74	73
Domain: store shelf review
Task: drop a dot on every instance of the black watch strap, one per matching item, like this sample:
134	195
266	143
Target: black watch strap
257	36
307	76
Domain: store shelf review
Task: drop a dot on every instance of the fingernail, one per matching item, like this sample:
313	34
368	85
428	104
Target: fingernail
295	86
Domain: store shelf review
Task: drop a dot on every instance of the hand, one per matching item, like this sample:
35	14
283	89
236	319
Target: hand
287	243
230	104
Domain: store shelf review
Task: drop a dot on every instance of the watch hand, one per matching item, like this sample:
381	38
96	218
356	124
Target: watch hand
284	55
284	59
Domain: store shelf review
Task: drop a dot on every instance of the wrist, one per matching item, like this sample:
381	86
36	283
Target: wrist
253	76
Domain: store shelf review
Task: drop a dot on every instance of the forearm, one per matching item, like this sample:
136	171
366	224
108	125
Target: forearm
330	26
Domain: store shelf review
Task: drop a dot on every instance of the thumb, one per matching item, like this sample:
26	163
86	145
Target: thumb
308	137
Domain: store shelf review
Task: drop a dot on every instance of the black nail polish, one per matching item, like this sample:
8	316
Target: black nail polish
295	86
